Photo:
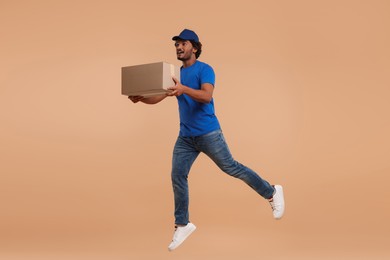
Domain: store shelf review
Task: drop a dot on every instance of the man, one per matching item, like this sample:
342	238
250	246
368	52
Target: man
200	131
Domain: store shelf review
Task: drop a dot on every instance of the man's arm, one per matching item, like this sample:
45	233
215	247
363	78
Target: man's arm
203	95
148	100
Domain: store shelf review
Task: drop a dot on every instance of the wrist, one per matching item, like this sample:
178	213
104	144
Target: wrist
185	89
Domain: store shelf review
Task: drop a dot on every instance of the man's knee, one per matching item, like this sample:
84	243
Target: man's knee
230	168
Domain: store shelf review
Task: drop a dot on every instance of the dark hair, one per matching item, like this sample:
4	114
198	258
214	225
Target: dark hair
198	47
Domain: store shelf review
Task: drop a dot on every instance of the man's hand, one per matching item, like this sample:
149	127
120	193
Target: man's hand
148	100
203	95
177	90
136	99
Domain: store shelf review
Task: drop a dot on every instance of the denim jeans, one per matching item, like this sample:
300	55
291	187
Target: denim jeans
213	144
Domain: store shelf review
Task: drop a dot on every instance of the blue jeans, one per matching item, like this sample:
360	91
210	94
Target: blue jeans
214	146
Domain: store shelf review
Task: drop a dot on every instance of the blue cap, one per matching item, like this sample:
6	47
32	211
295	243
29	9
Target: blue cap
187	35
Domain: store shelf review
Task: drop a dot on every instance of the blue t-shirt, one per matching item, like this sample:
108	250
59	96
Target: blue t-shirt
196	118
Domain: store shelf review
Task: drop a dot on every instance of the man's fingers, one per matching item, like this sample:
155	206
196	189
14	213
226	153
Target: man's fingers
172	93
173	88
135	99
175	79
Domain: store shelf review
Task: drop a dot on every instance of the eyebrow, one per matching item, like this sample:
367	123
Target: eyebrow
177	43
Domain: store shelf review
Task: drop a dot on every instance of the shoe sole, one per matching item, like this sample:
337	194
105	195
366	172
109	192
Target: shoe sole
282	193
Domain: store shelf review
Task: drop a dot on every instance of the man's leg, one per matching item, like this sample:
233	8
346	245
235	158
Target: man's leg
215	146
184	154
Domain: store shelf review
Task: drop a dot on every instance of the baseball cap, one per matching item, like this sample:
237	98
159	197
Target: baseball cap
187	35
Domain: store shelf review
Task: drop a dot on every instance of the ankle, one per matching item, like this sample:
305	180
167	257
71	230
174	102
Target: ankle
180	225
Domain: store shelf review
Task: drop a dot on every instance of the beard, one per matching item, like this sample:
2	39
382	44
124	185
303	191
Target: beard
184	56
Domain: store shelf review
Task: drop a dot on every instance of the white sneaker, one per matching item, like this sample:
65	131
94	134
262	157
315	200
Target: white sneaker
181	234
277	202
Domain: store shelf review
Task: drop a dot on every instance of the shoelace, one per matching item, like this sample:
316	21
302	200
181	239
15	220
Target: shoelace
272	205
174	234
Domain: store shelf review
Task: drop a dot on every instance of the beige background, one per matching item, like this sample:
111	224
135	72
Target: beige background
302	94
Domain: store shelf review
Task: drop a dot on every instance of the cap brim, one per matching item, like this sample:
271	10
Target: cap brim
175	38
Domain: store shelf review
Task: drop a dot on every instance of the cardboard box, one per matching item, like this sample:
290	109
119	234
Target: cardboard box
148	79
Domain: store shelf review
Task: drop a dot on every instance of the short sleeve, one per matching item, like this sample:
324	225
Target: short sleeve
207	75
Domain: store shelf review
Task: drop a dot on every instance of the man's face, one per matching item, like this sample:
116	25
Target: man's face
184	50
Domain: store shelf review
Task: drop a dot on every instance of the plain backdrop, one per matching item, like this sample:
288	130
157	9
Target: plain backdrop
302	93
